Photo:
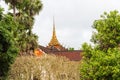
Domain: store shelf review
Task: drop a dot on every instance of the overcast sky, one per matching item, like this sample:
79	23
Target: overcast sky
73	20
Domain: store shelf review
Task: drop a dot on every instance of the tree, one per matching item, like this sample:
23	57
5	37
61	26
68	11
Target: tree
8	44
100	65
26	10
30	7
71	49
108	31
13	4
102	61
13	27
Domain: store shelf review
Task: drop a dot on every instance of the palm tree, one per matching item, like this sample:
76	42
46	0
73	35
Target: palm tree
13	4
26	10
31	7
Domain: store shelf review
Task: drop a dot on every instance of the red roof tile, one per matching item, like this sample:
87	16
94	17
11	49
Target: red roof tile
75	55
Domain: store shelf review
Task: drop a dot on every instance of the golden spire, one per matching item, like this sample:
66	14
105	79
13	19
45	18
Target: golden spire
54	41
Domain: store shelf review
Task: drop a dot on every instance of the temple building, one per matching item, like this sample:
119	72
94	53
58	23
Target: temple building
54	47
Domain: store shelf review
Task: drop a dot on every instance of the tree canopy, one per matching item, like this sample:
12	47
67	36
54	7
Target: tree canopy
102	62
108	30
23	13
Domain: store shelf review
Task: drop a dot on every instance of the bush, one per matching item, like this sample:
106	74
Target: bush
99	65
46	67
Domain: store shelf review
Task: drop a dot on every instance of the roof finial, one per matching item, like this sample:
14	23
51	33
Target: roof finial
54	32
53	22
54	43
54	40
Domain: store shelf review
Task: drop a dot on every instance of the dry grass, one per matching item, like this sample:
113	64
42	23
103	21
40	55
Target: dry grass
46	67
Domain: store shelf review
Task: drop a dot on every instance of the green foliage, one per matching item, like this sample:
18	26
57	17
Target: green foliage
71	49
102	62
17	32
26	10
108	28
99	65
30	7
8	48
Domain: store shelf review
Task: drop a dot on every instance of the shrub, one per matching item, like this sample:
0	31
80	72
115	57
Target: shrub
99	65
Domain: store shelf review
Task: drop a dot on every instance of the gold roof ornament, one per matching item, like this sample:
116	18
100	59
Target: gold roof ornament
54	44
54	41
